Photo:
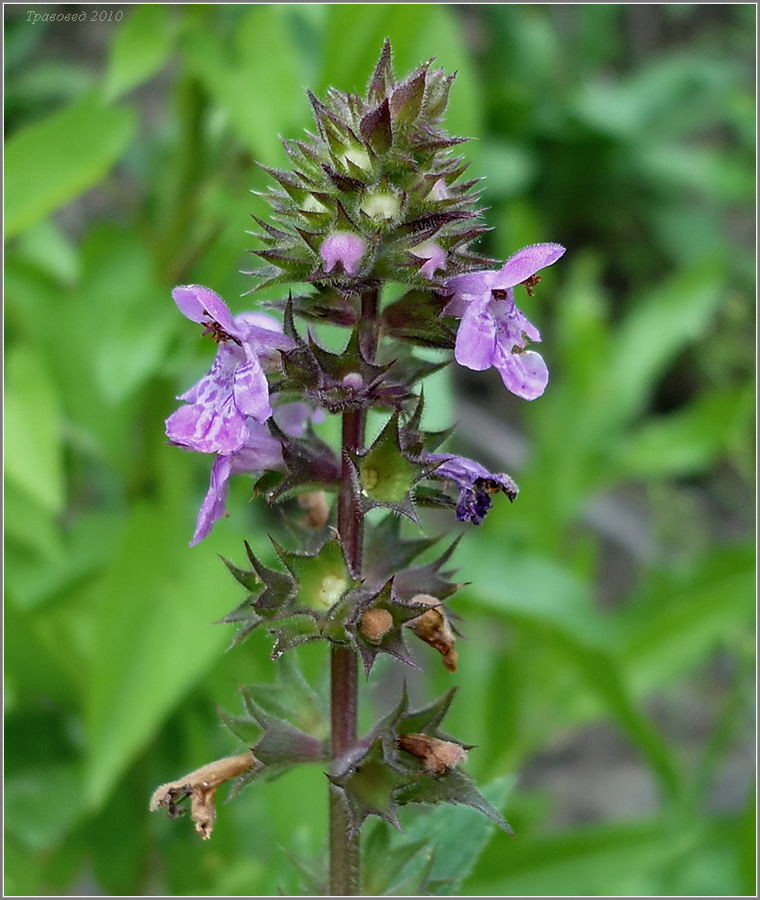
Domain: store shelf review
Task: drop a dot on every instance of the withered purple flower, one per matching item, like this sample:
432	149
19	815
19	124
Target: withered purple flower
493	331
476	485
214	417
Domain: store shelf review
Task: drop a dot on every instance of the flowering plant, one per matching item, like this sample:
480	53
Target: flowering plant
374	197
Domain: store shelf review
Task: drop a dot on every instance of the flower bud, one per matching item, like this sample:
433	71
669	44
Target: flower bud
434	256
375	624
343	247
311	204
437	757
353	380
358	156
381	206
433	628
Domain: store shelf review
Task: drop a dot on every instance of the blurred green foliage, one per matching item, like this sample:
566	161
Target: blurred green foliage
619	585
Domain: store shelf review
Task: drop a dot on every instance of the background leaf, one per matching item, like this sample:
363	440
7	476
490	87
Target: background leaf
142	46
88	138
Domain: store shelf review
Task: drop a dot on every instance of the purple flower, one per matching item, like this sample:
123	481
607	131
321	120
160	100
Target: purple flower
342	247
493	331
260	452
214	419
434	255
476	485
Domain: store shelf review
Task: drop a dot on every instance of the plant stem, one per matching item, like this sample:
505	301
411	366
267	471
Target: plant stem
344	850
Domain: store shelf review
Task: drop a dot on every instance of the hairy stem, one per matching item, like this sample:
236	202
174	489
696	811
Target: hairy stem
344	850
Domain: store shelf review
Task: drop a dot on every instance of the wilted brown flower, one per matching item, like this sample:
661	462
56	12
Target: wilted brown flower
433	628
201	786
317	510
438	757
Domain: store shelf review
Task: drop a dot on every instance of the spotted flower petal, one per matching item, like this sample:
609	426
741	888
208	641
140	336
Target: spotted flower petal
215	502
523	373
476	338
214	419
251	391
493	331
211	422
261	451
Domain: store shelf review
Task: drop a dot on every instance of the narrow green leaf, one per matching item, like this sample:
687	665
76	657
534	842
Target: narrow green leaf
33	440
677	619
687	441
261	100
149	646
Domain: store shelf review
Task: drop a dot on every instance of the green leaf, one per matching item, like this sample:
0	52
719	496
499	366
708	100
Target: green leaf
50	162
137	321
244	728
153	638
676	620
660	324
49	249
582	637
261	100
457	789
377	876
32	527
43	804
614	859
141	47
70	556
33	438
457	835
686	441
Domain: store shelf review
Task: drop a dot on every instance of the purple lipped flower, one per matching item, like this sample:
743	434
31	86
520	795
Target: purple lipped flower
493	331
434	256
214	417
476	485
261	452
343	247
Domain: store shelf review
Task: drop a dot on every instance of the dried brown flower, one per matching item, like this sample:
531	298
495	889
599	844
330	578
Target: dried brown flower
433	628
438	757
317	510
201	786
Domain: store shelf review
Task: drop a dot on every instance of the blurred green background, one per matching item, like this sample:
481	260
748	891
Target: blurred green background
607	679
